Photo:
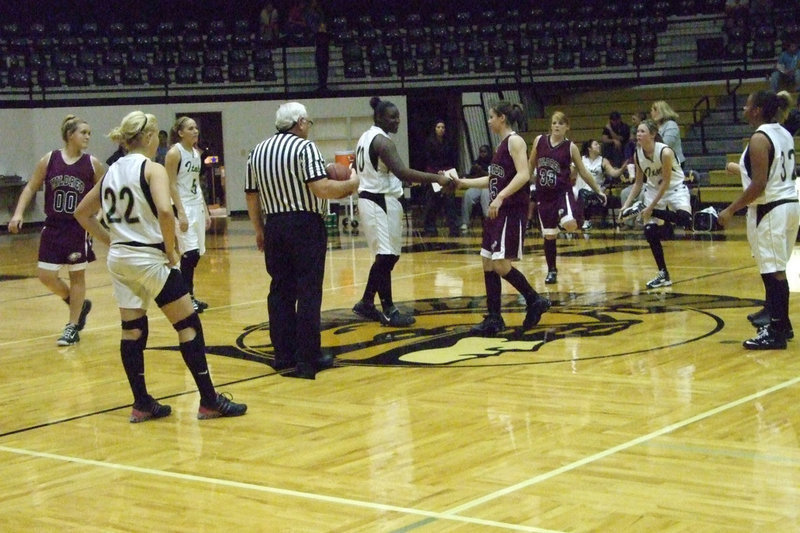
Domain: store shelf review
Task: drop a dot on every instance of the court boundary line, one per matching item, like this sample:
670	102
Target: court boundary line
622	447
453	513
270	490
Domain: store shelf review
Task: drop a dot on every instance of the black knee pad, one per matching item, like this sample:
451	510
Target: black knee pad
684	218
174	289
192	255
386	262
191	321
142	325
652	233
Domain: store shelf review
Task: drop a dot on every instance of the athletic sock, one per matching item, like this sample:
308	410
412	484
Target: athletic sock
550	254
519	282
493	291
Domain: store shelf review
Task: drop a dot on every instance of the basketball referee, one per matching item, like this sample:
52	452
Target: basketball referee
287	190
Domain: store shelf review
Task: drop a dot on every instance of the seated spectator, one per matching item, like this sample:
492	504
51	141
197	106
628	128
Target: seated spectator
269	22
603	172
296	19
474	196
615	134
630	146
786	71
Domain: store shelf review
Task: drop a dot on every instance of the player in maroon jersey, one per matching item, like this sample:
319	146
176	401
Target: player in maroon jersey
67	174
550	159
504	228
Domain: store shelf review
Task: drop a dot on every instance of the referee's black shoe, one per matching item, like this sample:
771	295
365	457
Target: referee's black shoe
367	310
759	318
392	317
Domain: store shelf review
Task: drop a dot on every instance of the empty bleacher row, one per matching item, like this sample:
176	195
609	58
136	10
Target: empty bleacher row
567	40
506	40
133	55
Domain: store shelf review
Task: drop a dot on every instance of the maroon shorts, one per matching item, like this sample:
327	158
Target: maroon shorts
503	236
65	244
556	206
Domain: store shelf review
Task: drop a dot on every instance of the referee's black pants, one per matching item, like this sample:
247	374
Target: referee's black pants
294	251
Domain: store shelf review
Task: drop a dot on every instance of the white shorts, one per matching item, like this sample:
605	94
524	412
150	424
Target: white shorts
53	267
382	229
195	237
676	198
138	274
772	240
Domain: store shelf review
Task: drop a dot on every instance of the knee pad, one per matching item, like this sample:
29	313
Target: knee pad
652	233
174	289
386	262
142	325
191	321
684	218
192	257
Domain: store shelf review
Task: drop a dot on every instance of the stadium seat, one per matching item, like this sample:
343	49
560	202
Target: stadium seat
186	74
379	67
132	76
19	78
538	60
376	51
239	72
433	66
450	48
524	46
510	62
265	72
77	78
236	56
351	52
354	69
616	57
217	42
572	42
157	75
214	58
213	74
104	76
425	50
48	78
498	46
644	55
87	59
764	49
474	48
458	65
136	58
485	64
596	41
547	44
408	67
590	58
564	59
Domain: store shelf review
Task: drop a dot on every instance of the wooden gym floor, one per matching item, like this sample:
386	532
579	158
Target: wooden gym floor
623	410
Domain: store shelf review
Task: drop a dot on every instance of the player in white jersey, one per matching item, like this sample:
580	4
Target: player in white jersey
380	171
666	197
767	167
183	168
135	200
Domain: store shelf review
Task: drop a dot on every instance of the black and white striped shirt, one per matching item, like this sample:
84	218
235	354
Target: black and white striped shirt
280	169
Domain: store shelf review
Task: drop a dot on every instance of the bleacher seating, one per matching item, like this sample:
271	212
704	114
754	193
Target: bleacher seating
542	41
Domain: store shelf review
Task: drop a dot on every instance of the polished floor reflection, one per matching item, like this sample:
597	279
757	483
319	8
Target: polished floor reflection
624	409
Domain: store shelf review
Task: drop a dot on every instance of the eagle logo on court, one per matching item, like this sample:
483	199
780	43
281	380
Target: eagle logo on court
577	327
